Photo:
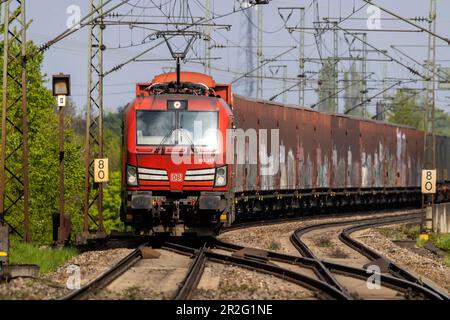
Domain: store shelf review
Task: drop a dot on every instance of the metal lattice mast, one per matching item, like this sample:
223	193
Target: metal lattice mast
285	91
429	161
14	184
429	125
207	37
301	60
94	121
335	69
364	75
259	54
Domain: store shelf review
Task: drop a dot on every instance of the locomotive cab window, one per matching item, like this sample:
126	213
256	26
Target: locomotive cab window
198	128
155	127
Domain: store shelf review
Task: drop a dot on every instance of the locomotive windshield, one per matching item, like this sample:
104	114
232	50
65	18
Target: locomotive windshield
200	127
155	127
195	128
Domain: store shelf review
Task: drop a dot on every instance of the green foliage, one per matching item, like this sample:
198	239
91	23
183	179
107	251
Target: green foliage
420	243
353	91
412	232
407	109
44	156
443	241
447	260
113	138
442	123
327	83
48	259
111	203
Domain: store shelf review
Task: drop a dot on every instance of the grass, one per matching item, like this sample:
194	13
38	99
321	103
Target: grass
339	253
420	243
387	232
443	241
132	293
47	258
274	245
411	232
447	260
323	242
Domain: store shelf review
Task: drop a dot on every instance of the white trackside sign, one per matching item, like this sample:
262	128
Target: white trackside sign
428	181
101	167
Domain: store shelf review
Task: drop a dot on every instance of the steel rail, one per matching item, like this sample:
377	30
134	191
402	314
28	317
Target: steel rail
194	275
284	274
106	278
257	265
306	251
394	269
407	280
359	273
293	218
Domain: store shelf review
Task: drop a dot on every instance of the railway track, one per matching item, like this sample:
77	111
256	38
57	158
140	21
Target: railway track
322	278
250	262
107	277
411	282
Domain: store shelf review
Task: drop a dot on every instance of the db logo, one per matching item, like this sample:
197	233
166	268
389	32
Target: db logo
176	177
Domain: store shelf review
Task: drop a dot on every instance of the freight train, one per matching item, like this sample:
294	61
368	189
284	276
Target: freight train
197	155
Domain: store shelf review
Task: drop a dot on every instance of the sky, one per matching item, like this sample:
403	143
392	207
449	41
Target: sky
49	18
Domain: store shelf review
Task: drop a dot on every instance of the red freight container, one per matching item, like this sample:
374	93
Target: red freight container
322	151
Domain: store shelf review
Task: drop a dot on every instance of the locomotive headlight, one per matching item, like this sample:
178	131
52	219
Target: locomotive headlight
221	177
132	176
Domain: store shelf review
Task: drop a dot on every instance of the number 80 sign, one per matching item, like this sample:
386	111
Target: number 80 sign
428	181
101	168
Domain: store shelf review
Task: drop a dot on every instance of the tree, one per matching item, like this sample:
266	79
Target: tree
327	84
44	153
353	91
405	109
408	110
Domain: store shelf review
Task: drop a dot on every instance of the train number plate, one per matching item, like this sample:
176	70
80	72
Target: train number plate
176	177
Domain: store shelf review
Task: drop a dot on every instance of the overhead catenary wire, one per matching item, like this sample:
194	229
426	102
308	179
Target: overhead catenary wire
447	40
413	71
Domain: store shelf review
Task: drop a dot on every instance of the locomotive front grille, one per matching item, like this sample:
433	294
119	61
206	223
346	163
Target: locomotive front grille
200	175
152	174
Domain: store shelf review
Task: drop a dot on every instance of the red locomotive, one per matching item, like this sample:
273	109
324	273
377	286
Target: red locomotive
159	186
194	154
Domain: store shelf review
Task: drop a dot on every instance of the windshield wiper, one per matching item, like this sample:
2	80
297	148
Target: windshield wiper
161	144
192	145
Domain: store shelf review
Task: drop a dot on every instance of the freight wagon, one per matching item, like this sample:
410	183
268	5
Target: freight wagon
255	159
